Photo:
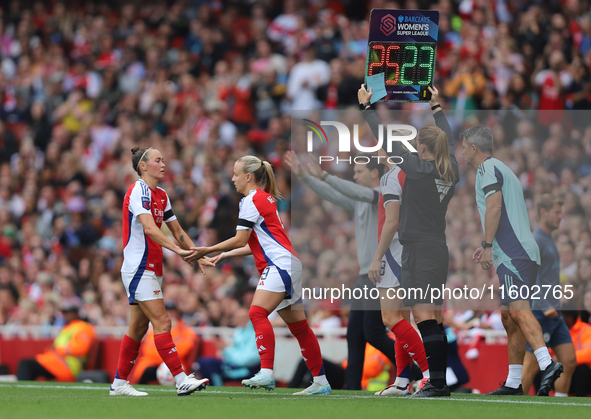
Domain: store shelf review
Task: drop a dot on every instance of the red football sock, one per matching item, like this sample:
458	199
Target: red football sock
265	337
402	357
167	351
411	342
127	355
309	345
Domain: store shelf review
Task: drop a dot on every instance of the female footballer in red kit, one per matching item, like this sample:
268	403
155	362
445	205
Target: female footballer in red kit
145	207
261	233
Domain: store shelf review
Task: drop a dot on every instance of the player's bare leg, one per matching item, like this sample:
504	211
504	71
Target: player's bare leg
530	369
520	313
516	348
567	356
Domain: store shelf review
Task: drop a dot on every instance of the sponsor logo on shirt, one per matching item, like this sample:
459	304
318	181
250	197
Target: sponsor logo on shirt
158	215
443	188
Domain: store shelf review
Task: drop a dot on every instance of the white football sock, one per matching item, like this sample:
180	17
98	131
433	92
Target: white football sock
117	382
543	357
321	379
514	377
180	377
556	394
401	382
267	371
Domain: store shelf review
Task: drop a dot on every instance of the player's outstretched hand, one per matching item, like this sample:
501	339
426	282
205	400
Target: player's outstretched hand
292	161
313	167
183	253
363	95
205	262
434	95
217	259
196	253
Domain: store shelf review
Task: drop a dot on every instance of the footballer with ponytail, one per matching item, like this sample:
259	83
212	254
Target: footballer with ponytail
263	175
145	208
260	232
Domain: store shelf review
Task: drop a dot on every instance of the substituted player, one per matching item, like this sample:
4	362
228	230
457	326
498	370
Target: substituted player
145	207
385	272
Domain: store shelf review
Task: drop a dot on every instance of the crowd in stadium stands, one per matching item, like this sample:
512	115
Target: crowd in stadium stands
207	82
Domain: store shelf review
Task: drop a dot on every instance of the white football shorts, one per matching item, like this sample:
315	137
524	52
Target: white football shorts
391	266
278	280
142	286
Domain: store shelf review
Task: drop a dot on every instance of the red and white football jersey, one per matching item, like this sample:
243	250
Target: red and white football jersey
391	185
268	241
140	252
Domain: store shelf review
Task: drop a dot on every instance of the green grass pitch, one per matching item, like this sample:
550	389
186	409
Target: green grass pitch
40	400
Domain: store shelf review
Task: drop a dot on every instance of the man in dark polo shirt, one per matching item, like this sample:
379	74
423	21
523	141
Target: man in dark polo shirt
544	304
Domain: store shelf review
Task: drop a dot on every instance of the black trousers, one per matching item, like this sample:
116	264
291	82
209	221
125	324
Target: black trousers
365	326
580	385
335	374
149	375
30	369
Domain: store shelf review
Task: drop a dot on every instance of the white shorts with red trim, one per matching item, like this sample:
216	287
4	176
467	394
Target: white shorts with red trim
142	285
278	280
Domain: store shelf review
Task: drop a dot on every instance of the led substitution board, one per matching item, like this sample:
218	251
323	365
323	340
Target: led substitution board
402	45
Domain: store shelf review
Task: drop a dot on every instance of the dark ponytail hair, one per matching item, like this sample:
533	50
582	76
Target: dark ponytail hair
435	139
139	155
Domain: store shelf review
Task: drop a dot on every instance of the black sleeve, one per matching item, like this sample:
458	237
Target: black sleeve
412	165
441	122
494	187
245	223
391	197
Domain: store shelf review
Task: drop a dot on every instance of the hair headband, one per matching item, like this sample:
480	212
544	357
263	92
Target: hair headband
138	163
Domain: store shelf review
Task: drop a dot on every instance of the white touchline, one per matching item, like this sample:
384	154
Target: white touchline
281	395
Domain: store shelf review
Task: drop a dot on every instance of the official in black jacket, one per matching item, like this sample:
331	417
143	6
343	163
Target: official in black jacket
430	184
